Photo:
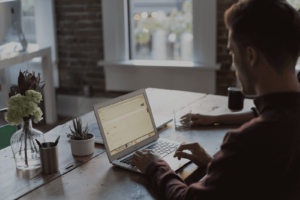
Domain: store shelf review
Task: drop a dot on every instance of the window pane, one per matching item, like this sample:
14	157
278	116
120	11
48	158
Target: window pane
28	21
295	3
161	29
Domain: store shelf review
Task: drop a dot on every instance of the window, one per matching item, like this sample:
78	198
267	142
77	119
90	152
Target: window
161	29
124	72
28	21
294	3
27	27
37	23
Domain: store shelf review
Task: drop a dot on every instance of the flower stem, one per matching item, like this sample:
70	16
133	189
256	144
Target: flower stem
33	143
21	144
30	140
26	133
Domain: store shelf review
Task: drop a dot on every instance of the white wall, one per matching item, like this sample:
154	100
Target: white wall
133	78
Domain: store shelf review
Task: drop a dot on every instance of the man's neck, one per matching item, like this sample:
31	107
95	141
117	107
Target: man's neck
275	83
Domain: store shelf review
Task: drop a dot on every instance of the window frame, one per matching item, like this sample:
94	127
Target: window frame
132	43
123	74
116	30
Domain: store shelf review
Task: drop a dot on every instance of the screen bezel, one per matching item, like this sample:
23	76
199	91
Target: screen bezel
98	106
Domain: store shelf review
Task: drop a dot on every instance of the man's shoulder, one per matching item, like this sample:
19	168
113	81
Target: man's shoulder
260	133
248	130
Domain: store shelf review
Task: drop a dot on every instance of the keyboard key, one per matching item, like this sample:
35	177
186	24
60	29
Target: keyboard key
163	155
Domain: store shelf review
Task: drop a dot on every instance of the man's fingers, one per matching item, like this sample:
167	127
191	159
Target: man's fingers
139	153
136	157
185	116
193	116
189	146
134	162
181	154
195	123
146	150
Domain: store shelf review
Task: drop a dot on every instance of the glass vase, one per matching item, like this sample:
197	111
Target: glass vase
25	148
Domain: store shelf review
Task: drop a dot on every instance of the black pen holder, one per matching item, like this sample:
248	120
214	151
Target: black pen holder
49	157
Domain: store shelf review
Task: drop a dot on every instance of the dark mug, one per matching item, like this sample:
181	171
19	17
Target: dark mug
235	98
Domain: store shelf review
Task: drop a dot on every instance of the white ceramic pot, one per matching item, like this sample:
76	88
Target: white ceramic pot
83	147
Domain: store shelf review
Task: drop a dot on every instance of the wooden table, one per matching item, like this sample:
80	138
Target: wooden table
93	177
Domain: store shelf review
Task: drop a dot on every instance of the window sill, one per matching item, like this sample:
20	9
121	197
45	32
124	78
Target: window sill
174	75
167	64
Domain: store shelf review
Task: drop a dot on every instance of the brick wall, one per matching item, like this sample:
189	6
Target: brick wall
225	77
80	46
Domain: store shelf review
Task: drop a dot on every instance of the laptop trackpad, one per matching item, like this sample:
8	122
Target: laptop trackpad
174	163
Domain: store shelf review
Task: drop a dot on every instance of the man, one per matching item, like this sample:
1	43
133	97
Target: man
261	159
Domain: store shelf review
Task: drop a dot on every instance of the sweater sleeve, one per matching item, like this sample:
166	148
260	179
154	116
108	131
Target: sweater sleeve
225	174
165	181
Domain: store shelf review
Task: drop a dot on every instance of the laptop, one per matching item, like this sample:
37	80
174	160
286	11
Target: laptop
126	124
160	122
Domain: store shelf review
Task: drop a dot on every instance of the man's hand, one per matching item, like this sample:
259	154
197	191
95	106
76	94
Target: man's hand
198	119
199	156
143	158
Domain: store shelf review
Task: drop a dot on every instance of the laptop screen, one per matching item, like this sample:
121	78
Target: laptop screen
126	123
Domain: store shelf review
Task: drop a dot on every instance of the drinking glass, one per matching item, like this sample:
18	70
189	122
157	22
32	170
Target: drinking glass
182	117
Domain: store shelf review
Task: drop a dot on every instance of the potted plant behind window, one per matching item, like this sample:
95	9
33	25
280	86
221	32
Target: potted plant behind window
82	142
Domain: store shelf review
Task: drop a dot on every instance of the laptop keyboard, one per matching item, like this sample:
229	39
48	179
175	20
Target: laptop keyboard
163	148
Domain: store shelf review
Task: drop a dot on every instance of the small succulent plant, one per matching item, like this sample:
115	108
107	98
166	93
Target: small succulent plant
78	133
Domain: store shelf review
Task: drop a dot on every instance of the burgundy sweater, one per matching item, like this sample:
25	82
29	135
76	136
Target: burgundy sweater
260	160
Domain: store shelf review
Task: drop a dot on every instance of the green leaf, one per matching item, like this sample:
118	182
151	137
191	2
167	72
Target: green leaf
74	124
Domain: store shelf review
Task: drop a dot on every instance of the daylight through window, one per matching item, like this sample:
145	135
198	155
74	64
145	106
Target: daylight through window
161	29
296	5
28	21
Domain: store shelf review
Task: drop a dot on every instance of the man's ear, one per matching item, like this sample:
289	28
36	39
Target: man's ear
252	56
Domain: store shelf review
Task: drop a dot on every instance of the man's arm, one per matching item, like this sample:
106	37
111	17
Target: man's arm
232	118
225	178
235	118
165	181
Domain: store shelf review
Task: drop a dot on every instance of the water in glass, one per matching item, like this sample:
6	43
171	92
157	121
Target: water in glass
182	117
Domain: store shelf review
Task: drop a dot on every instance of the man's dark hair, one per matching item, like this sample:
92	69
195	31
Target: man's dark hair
271	26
